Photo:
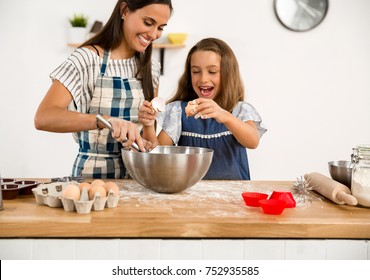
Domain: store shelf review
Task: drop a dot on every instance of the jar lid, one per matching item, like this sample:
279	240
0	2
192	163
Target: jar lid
363	150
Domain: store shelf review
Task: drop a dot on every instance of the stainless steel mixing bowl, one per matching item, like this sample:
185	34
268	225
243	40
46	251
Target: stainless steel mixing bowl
168	169
341	171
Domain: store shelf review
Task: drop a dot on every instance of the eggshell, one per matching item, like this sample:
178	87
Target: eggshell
112	186
71	191
158	104
97	188
86	185
190	108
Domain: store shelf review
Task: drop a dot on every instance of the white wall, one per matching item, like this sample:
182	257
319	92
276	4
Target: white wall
312	89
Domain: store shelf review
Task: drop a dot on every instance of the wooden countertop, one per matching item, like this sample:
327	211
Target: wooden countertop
209	209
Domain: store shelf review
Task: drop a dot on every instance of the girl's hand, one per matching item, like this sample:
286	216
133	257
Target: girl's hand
207	108
147	114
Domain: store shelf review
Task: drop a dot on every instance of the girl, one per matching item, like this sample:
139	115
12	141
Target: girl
110	74
212	92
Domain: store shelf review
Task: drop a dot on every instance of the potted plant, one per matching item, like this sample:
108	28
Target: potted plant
78	29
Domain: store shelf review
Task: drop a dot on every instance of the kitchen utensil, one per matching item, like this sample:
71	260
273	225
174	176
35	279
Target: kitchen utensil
252	198
287	197
272	206
331	189
7	180
303	191
341	171
109	126
26	186
168	169
12	188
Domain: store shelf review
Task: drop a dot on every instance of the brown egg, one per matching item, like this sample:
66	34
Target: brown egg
190	109
112	186
71	191
97	182
97	189
86	185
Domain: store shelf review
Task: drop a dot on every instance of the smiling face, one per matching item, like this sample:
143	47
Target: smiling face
143	26
205	67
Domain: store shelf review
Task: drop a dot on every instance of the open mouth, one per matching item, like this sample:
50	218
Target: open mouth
206	91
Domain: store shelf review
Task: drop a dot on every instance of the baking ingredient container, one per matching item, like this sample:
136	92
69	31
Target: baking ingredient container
360	185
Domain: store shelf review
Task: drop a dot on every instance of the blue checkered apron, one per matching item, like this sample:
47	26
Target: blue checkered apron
99	153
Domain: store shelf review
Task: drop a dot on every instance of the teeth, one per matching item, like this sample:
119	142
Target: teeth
144	40
206	89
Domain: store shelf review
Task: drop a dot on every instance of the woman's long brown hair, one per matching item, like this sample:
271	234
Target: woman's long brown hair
110	37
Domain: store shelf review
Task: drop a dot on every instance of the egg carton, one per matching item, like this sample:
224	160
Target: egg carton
85	206
51	195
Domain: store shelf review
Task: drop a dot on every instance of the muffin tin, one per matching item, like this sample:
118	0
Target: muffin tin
11	188
51	195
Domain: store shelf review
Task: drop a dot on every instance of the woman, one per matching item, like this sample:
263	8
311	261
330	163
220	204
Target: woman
208	110
111	74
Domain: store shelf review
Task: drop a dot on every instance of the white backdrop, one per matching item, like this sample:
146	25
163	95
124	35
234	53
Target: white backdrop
312	89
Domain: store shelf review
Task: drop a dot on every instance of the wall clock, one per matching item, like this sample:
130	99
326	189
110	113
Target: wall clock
301	15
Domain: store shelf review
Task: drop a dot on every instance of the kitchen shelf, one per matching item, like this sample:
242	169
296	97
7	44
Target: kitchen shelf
161	47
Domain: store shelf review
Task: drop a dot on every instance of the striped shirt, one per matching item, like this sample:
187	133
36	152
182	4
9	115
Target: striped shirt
80	71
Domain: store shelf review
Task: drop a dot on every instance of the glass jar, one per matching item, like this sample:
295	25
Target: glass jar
1	194
360	186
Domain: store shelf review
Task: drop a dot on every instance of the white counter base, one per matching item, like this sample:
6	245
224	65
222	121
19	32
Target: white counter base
177	249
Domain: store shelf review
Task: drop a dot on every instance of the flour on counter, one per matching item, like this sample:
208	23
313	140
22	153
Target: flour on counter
212	198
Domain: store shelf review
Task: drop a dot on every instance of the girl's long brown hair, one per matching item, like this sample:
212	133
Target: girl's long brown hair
232	88
110	37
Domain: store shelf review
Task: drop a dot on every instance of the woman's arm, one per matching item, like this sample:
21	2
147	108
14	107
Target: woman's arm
52	115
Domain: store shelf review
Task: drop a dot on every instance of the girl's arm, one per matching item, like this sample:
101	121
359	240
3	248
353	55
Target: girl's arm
245	132
164	139
147	117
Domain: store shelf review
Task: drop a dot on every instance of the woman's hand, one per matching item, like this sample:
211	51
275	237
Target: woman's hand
148	146
127	132
147	114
